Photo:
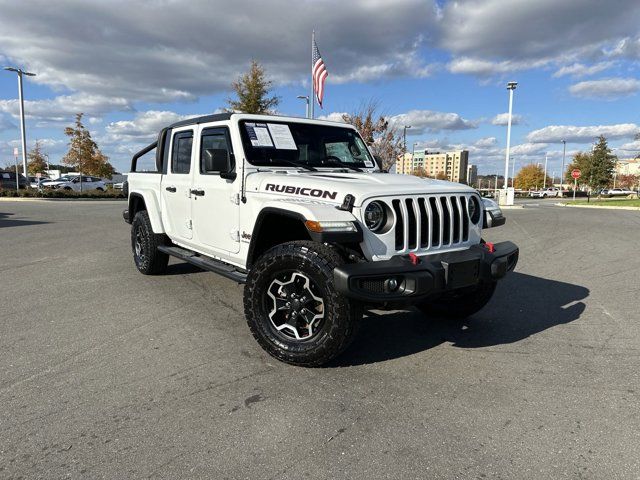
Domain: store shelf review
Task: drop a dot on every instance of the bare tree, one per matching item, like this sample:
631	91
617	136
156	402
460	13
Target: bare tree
382	137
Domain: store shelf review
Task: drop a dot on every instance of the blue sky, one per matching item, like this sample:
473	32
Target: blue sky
438	66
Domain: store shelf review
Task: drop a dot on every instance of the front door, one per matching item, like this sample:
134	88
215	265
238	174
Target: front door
215	201
176	187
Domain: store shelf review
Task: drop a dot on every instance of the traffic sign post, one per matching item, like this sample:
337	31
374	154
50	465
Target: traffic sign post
16	152
575	173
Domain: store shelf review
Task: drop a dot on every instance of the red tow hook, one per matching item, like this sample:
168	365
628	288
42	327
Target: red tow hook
490	246
415	260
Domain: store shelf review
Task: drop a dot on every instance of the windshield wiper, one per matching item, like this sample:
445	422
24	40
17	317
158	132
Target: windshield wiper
339	163
295	164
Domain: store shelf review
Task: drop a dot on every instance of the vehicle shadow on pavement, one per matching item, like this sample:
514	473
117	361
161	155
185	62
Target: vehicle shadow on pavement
523	305
10	222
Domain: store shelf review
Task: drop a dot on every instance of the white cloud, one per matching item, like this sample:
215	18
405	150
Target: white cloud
6	124
578	70
588	134
422	121
502	119
177	51
145	126
608	88
487	68
486	142
63	108
629	149
333	116
534	30
525	149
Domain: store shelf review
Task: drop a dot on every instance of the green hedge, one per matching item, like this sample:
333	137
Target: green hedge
54	193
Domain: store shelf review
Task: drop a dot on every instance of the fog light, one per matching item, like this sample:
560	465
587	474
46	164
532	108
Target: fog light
392	284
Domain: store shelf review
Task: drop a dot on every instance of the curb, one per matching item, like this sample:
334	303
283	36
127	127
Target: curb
601	207
36	199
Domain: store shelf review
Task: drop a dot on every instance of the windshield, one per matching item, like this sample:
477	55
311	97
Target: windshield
312	145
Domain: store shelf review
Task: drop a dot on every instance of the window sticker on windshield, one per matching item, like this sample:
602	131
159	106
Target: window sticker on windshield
259	134
368	163
282	136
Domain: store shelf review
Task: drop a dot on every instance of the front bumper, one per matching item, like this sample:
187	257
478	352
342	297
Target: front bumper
403	280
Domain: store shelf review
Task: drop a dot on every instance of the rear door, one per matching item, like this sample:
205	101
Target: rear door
215	208
175	191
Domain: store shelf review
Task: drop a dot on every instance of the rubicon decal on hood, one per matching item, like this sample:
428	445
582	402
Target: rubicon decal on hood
305	191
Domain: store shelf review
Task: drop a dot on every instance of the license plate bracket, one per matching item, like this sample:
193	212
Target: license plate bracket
461	274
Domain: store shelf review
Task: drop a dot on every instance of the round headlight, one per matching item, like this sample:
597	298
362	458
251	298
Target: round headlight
375	216
474	209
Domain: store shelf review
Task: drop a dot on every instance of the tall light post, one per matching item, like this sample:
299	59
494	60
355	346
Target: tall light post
21	72
404	136
544	179
564	151
306	99
511	86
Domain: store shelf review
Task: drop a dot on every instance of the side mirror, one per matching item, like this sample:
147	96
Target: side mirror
219	160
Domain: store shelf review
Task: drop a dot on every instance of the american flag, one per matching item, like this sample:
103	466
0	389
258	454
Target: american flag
318	73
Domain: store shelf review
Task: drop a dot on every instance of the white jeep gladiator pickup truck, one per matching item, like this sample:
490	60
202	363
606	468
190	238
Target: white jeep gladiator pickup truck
299	211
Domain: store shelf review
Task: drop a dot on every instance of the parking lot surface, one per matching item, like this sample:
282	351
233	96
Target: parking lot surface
106	373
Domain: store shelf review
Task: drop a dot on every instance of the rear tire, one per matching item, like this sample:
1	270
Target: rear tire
293	308
144	244
459	304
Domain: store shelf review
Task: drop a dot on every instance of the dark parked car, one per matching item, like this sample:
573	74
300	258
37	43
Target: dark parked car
8	180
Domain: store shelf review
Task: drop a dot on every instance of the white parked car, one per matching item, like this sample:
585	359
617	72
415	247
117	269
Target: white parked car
546	192
73	183
617	192
34	183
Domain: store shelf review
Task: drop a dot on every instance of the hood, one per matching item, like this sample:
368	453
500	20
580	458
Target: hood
333	186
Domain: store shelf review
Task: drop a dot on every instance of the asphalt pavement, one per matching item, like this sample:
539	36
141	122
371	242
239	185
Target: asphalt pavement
106	373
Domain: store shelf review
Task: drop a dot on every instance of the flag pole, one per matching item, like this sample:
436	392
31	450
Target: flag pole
312	98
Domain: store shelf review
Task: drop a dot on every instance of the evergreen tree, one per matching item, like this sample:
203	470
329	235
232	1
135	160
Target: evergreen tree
602	165
84	154
252	90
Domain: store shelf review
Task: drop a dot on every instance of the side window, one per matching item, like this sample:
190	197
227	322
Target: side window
215	150
181	154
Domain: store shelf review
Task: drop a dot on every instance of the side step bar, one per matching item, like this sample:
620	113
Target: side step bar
205	263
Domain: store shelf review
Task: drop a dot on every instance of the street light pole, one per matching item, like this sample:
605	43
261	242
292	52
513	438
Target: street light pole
306	99
404	136
23	134
511	86
544	179
564	151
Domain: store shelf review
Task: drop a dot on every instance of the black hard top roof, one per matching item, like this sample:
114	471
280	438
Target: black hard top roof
217	117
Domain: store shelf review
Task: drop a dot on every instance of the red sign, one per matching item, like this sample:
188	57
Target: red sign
575	173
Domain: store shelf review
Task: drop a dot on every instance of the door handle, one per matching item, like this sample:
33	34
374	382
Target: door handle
197	192
171	189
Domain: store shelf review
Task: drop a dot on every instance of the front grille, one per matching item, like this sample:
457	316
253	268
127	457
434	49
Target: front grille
430	222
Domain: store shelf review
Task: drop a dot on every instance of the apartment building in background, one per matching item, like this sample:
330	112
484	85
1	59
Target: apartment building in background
450	165
629	166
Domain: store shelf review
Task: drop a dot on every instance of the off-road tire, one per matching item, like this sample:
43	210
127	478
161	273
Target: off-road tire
459	304
148	259
341	316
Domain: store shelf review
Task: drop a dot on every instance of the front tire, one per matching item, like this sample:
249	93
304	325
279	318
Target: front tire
460	304
144	244
293	308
